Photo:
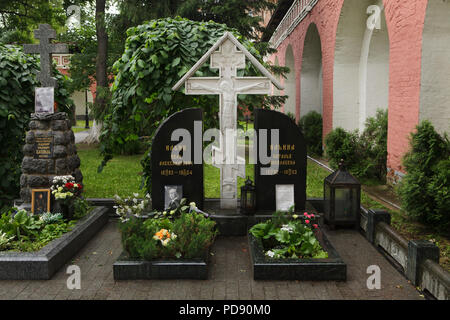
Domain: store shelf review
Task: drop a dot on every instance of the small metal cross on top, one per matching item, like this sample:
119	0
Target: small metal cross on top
45	48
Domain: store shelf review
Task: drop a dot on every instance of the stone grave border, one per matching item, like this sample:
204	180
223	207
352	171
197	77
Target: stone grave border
195	269
264	268
43	264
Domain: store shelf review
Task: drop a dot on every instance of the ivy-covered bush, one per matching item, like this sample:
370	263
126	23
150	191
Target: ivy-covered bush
425	190
364	154
17	83
157	54
311	126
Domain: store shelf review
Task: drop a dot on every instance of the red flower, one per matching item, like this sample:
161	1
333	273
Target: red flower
307	221
69	185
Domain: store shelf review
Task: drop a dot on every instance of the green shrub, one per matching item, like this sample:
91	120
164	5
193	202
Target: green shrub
364	155
17	83
341	144
191	234
311	126
425	190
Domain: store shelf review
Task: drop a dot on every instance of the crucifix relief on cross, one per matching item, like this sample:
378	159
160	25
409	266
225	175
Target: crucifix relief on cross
228	60
45	48
228	55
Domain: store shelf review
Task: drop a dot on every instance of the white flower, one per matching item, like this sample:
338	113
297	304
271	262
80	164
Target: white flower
136	195
286	228
172	212
147	196
270	253
134	200
192	204
165	242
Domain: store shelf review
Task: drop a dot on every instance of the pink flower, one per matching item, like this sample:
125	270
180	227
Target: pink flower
312	215
305	214
315	226
307	221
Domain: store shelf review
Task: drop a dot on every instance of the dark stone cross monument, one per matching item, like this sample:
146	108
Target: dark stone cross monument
50	143
45	48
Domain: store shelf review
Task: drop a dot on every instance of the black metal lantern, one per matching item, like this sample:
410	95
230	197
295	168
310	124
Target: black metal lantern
248	198
342	197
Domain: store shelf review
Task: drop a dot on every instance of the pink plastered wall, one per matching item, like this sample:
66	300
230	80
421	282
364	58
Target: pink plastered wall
405	22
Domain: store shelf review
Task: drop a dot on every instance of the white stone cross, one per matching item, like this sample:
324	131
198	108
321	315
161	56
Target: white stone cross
228	59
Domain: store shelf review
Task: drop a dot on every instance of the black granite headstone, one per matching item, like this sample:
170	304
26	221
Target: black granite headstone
167	175
291	160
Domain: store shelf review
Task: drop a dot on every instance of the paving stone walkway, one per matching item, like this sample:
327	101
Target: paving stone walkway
230	276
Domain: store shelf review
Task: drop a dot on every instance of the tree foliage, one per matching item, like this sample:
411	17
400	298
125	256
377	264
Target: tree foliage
17	83
425	190
20	17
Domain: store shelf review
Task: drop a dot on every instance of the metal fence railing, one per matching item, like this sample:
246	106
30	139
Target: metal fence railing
298	10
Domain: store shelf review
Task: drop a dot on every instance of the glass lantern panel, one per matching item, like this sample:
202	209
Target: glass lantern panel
344	206
249	200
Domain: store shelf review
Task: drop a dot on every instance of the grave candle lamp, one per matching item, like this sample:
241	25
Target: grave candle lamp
248	198
342	197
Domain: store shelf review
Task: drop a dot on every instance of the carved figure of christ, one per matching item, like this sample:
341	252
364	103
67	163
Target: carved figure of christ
227	59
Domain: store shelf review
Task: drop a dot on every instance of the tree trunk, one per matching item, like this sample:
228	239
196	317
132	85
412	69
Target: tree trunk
100	67
94	133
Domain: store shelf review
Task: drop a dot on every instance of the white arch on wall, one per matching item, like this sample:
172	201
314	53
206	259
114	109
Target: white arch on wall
311	73
361	65
374	65
435	82
290	82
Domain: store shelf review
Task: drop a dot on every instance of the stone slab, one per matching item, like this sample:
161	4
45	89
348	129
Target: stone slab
196	269
41	265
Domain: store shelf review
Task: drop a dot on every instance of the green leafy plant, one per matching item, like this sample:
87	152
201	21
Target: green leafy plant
81	208
364	154
17	83
311	126
49	218
289	237
21	231
187	236
425	190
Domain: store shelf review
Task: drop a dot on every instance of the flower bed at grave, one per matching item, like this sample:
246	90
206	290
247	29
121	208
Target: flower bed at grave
167	244
23	232
283	238
291	247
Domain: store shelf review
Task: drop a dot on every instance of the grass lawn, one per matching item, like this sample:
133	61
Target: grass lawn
80	126
122	176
